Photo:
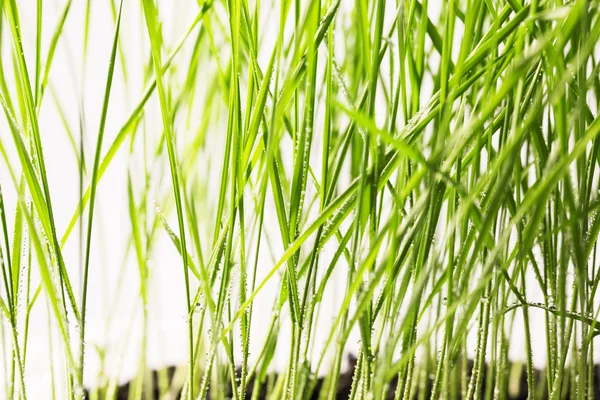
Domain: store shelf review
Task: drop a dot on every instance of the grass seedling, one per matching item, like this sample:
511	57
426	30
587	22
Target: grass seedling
413	182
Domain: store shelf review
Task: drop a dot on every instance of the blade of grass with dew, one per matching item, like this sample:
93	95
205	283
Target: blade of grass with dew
155	35
93	188
43	204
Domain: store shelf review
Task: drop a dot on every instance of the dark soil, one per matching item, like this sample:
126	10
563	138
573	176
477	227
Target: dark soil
345	386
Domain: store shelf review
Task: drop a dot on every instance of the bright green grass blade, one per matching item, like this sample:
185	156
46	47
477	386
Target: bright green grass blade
58	30
155	35
93	188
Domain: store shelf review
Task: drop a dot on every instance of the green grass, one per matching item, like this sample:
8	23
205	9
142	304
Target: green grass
438	167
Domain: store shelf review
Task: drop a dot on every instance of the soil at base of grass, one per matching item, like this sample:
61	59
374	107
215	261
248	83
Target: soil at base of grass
517	392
